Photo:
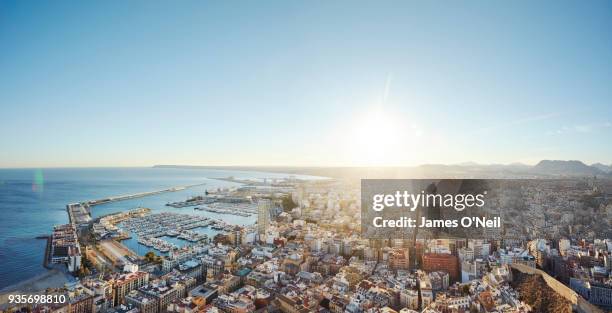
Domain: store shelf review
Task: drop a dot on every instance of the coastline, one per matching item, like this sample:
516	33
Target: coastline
52	278
62	186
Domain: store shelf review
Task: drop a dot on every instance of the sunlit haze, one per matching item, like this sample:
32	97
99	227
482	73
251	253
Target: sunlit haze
139	83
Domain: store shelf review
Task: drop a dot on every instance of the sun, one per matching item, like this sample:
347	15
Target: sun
375	139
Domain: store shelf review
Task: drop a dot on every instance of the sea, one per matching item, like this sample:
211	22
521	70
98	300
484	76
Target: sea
33	200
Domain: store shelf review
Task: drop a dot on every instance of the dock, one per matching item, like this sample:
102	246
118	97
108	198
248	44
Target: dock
232	179
64	245
139	195
47	251
80	213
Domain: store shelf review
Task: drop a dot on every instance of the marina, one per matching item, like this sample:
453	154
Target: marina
155	230
165	232
220	204
106	226
47	207
79	213
193	201
238	209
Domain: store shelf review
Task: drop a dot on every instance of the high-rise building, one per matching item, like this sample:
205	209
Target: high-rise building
263	215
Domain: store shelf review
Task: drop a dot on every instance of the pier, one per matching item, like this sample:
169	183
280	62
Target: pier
138	195
79	213
47	251
232	179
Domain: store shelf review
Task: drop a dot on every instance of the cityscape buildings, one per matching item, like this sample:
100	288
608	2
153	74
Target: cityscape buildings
309	258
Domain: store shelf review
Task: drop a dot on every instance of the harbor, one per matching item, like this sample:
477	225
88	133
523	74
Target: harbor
193	201
239	209
219	203
79	213
139	195
105	227
169	231
126	236
81	188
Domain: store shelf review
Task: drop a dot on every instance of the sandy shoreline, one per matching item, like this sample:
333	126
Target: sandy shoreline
50	279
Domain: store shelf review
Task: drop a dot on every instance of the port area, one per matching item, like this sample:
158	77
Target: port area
221	203
139	195
64	248
266	182
238	209
151	229
79	213
105	227
193	201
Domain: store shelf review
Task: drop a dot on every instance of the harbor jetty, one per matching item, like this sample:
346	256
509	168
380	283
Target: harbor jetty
79	213
193	201
139	195
64	244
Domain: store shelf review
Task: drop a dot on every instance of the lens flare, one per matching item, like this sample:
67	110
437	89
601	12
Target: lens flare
38	185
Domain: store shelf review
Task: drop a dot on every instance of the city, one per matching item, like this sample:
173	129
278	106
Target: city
305	253
338	156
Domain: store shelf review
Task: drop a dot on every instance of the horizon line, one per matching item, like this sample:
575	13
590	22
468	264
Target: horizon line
467	163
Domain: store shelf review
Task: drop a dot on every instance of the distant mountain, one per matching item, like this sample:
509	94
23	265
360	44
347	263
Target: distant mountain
603	167
519	165
544	169
565	168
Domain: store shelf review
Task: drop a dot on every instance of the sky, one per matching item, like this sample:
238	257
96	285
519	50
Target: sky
304	83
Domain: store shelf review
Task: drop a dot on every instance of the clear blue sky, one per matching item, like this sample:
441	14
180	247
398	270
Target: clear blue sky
125	83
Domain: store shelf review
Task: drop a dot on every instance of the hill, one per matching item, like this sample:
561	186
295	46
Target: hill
534	291
603	167
566	168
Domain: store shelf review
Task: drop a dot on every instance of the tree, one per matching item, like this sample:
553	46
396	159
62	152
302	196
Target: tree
82	272
150	257
86	262
465	290
287	203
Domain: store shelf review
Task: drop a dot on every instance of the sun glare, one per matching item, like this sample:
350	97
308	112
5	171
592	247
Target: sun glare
375	139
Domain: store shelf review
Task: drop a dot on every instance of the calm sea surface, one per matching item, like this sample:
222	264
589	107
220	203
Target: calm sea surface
33	200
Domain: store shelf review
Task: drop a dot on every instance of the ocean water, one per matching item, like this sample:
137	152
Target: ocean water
33	200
